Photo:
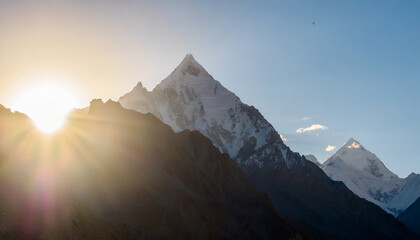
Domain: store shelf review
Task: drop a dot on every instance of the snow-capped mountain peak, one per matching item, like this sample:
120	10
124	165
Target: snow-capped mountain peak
352	143
366	175
190	66
189	63
355	155
190	98
188	70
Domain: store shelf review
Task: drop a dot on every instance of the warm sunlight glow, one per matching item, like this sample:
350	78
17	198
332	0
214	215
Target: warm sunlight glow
47	106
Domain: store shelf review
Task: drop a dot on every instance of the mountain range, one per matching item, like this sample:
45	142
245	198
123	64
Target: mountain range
190	98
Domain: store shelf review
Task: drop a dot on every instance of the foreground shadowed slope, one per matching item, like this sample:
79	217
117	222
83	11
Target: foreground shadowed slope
119	174
190	98
411	217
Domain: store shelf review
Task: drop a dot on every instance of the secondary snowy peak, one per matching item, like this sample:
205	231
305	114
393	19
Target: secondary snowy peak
355	155
190	98
352	143
365	175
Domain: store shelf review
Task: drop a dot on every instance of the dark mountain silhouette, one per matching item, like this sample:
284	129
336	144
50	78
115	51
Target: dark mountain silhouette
119	174
190	98
411	217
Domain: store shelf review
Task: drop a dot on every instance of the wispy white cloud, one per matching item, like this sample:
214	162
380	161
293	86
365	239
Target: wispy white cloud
306	118
312	128
329	148
283	138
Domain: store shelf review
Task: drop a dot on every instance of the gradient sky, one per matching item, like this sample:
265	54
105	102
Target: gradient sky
352	66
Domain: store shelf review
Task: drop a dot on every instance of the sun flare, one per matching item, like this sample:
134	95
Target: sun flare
47	106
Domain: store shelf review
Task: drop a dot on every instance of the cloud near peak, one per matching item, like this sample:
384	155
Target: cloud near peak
312	128
329	148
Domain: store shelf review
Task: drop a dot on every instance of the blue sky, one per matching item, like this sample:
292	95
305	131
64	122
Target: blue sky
352	66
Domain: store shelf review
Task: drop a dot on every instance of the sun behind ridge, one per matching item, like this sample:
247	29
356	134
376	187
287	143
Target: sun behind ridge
47	106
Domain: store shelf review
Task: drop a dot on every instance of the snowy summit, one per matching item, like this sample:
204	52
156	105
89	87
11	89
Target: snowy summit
190	98
366	175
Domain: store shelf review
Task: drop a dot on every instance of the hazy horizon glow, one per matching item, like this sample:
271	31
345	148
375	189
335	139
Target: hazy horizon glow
350	66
